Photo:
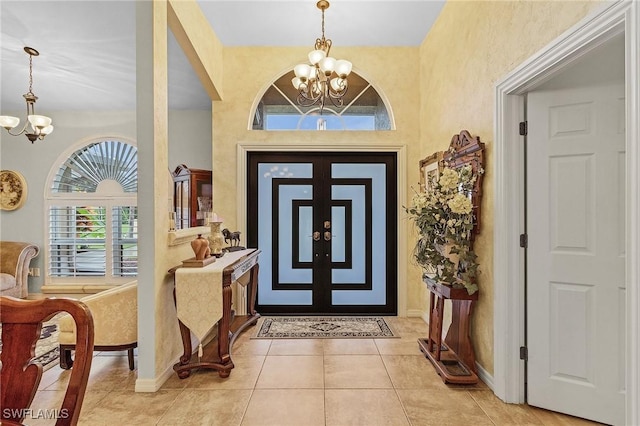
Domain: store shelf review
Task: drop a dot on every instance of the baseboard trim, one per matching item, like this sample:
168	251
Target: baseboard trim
154	385
485	376
416	313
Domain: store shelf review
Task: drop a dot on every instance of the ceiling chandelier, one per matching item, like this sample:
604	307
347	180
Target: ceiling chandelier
324	77
40	124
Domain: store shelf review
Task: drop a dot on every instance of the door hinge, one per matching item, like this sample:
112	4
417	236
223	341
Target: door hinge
524	128
524	240
524	354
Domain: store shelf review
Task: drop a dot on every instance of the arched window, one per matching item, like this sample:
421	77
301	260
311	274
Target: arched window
363	109
93	215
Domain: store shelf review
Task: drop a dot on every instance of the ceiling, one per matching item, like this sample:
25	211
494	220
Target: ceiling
87	48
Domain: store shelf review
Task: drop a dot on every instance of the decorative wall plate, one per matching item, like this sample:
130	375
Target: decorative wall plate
13	190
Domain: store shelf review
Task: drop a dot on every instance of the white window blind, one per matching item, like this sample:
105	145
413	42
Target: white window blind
77	240
125	241
92	215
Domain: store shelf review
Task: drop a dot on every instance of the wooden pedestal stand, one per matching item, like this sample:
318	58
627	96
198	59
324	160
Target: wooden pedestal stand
454	360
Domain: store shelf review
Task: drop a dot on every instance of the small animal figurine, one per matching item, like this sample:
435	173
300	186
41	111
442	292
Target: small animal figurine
231	238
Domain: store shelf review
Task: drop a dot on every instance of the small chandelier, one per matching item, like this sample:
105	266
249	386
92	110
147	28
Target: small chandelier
325	77
40	124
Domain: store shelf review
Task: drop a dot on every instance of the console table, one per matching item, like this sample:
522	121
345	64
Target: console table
203	298
454	360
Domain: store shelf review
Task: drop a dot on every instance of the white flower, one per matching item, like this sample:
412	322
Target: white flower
420	201
449	179
445	214
460	204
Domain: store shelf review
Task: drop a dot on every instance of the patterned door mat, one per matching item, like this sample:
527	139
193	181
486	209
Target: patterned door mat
324	328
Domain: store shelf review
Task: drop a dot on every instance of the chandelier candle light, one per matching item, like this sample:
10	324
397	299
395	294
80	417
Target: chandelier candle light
40	124
324	77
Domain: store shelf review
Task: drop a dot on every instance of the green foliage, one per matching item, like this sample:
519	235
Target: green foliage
90	222
443	217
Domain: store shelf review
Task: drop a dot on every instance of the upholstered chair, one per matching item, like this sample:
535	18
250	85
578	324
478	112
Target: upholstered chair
15	258
115	318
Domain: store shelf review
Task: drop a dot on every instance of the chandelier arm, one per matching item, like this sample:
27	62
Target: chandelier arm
336	101
306	101
24	129
338	95
26	122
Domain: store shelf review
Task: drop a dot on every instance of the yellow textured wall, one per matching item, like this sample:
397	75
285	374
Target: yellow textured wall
392	71
165	317
199	43
472	45
186	23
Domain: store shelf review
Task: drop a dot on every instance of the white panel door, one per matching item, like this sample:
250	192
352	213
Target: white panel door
575	256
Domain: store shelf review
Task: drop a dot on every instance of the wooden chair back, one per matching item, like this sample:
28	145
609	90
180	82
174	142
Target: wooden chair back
20	375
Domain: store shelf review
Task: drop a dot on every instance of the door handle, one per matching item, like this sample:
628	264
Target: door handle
327	235
316	236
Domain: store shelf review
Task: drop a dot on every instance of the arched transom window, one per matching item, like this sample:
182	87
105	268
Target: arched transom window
363	109
93	215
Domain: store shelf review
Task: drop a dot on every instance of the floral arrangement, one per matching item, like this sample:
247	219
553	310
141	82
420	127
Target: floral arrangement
444	218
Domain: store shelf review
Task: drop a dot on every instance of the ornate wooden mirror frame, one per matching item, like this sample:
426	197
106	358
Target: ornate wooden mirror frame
430	168
465	149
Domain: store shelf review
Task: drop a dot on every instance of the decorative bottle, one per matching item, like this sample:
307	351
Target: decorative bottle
200	247
216	238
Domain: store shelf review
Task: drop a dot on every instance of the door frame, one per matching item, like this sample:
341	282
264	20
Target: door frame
401	179
622	17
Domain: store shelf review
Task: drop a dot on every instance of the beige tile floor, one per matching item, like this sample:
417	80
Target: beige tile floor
298	382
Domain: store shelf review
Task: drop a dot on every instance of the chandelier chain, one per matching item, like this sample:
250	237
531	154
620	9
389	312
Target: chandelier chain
322	24
31	74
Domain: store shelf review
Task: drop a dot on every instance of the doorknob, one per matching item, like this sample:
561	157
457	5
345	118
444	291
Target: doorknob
327	224
327	235
316	236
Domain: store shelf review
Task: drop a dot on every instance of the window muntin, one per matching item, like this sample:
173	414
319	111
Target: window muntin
92	215
98	162
363	109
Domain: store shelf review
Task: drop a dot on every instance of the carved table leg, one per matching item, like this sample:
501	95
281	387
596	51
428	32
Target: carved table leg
253	282
438	326
458	336
185	334
185	358
223	327
432	322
